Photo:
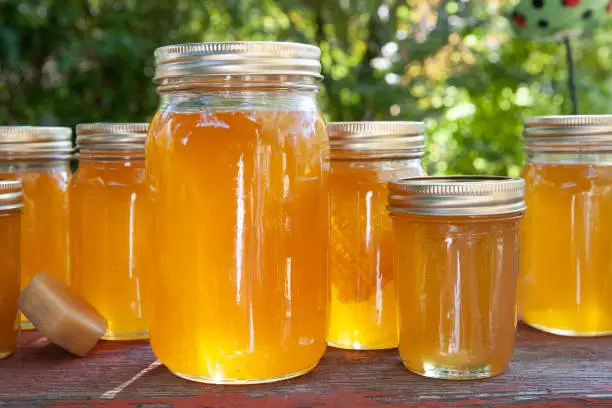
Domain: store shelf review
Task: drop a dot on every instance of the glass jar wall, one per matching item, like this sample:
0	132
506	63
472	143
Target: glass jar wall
364	157
11	203
40	158
108	227
237	176
456	246
565	285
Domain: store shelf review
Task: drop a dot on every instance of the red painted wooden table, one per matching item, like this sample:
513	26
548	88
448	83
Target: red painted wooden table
547	371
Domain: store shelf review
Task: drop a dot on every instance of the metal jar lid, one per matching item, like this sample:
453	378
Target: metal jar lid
11	195
567	134
236	58
457	195
376	139
44	142
111	137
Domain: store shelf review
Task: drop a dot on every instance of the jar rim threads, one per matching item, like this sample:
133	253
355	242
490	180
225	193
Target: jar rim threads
39	142
111	137
457	195
11	195
236	58
568	134
380	139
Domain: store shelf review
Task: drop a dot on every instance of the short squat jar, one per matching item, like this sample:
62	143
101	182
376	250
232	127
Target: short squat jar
107	225
11	203
237	174
565	285
365	156
40	158
456	258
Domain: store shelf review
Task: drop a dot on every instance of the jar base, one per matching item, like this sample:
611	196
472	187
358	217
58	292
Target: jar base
234	381
451	373
567	333
358	346
5	354
112	336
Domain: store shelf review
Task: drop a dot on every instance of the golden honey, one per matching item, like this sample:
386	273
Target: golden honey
565	285
456	257
240	223
11	196
39	157
365	156
108	225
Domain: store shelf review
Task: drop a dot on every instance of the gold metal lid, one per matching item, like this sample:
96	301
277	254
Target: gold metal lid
457	195
237	58
111	137
43	142
376	139
11	195
566	134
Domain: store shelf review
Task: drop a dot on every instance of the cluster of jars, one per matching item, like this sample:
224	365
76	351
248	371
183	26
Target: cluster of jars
253	235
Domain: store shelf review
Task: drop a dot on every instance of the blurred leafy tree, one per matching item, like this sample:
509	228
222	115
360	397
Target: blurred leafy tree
455	63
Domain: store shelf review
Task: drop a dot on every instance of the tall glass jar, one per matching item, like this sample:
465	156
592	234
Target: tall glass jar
365	156
565	286
11	203
237	175
108	228
40	158
456	258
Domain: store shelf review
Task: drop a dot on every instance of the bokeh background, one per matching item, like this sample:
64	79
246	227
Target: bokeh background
455	63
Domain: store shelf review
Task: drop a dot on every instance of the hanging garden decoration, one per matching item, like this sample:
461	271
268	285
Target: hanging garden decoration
560	20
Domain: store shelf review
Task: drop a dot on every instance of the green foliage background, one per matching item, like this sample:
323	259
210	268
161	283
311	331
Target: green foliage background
455	63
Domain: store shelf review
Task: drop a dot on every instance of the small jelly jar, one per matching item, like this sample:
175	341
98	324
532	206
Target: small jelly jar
108	228
11	203
565	284
365	156
40	157
456	258
237	176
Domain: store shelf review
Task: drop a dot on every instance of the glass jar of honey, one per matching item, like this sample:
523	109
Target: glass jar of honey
40	158
11	203
365	156
108	228
456	257
237	169
565	285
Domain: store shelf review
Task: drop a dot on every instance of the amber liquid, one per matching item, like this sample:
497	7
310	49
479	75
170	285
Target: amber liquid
109	242
10	227
456	282
44	234
363	307
240	243
565	286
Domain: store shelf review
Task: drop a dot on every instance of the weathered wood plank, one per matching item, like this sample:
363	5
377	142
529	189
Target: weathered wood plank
547	371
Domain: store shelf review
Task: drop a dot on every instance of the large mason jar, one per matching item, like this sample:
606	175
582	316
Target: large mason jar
565	284
239	203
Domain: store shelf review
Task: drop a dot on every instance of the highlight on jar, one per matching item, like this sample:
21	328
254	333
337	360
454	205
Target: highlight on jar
11	205
237	175
565	284
456	258
40	157
108	225
365	156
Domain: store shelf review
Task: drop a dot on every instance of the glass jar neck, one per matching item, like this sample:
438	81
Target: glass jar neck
116	157
596	158
11	166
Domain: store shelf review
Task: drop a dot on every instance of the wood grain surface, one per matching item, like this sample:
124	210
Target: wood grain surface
547	371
